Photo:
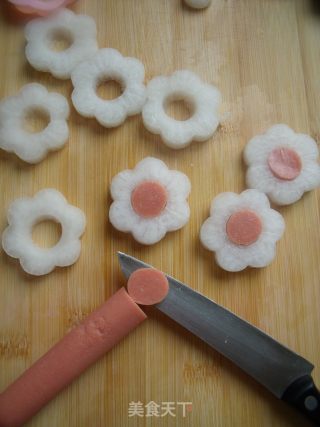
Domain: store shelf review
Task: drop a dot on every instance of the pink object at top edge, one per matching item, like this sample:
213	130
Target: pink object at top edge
39	5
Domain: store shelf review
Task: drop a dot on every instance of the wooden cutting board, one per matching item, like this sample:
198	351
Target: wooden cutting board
265	58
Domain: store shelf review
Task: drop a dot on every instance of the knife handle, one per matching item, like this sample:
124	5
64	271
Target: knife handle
304	396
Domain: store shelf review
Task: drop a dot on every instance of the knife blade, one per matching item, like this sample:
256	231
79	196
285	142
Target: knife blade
283	372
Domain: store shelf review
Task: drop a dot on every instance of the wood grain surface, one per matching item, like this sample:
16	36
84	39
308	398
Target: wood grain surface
265	58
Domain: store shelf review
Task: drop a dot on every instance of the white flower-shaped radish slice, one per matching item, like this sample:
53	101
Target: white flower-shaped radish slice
25	213
79	30
33	147
185	86
108	64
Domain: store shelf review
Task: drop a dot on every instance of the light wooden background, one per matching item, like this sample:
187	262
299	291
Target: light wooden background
264	55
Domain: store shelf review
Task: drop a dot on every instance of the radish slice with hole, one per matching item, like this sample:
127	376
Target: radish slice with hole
104	65
32	147
78	30
25	213
182	85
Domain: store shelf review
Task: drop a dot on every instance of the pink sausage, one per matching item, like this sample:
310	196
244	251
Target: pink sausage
149	199
284	163
39	7
244	227
148	286
77	350
31	12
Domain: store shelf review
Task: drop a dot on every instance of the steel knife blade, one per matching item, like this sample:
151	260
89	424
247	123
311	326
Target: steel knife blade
283	372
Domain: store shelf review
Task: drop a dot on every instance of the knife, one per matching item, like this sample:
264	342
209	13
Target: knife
283	372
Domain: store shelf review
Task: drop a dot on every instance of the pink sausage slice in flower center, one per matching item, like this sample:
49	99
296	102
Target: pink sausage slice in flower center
284	163
149	199
244	227
147	286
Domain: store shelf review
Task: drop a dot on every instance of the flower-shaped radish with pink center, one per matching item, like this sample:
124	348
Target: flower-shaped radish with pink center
242	230
25	213
283	164
39	7
149	201
78	31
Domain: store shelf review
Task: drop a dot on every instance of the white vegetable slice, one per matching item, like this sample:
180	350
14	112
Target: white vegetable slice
149	201
79	30
187	86
108	64
25	213
33	147
242	230
282	164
